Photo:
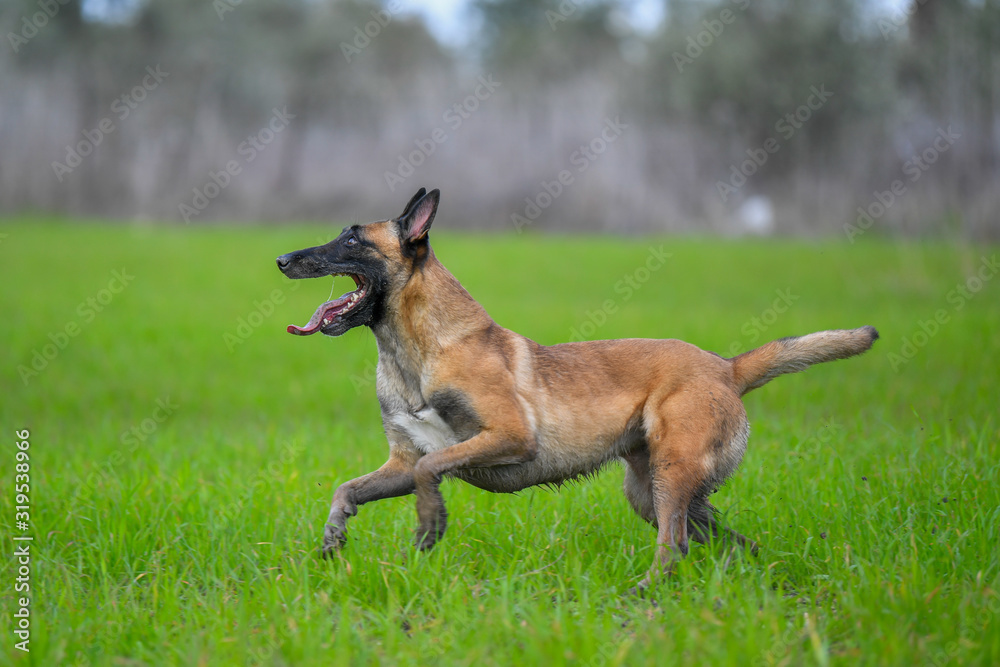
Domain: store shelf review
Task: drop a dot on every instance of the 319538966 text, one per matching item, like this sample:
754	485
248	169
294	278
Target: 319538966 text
22	541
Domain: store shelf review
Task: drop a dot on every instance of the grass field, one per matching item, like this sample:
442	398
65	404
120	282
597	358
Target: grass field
182	463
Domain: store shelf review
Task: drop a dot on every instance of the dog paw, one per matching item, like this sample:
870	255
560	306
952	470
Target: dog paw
644	592
657	574
637	591
641	589
431	526
646	588
334	539
426	538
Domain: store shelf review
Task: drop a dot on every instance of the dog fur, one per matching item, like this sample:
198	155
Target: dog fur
463	397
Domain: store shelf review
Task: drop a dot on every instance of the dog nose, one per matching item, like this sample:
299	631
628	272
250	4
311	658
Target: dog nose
284	261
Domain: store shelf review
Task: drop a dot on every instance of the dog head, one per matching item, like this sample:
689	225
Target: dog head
379	257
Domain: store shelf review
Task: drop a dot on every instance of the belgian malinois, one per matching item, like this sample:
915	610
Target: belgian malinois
463	397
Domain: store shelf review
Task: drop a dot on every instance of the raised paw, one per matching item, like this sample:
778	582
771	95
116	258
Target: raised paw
427	537
334	539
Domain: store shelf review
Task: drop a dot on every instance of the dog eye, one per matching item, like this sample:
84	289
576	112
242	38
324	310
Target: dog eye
350	240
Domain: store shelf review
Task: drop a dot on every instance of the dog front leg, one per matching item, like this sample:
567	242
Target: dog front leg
394	478
485	450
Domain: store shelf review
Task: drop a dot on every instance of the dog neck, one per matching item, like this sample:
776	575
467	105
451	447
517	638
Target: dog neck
432	311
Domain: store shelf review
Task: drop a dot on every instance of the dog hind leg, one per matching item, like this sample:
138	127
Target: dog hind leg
672	492
682	436
702	524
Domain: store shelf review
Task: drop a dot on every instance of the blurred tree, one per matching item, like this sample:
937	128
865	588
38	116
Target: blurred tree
367	84
949	68
547	40
741	72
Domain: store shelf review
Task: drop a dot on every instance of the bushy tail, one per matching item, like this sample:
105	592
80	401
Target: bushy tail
790	355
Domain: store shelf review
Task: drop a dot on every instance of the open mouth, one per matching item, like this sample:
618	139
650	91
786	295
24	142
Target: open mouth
333	311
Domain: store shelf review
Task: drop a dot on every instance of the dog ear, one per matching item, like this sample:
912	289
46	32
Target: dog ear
413	200
416	222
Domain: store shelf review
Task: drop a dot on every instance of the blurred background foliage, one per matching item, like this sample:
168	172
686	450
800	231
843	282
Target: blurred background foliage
695	91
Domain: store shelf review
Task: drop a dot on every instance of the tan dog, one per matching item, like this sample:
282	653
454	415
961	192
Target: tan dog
463	397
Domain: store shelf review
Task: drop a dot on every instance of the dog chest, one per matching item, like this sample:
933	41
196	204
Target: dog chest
426	428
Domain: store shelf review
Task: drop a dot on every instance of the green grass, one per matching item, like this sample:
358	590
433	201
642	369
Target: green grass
873	485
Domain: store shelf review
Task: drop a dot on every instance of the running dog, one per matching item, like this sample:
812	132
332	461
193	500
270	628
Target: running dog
463	397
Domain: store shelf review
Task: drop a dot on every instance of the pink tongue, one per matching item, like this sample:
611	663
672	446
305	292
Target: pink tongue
317	319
